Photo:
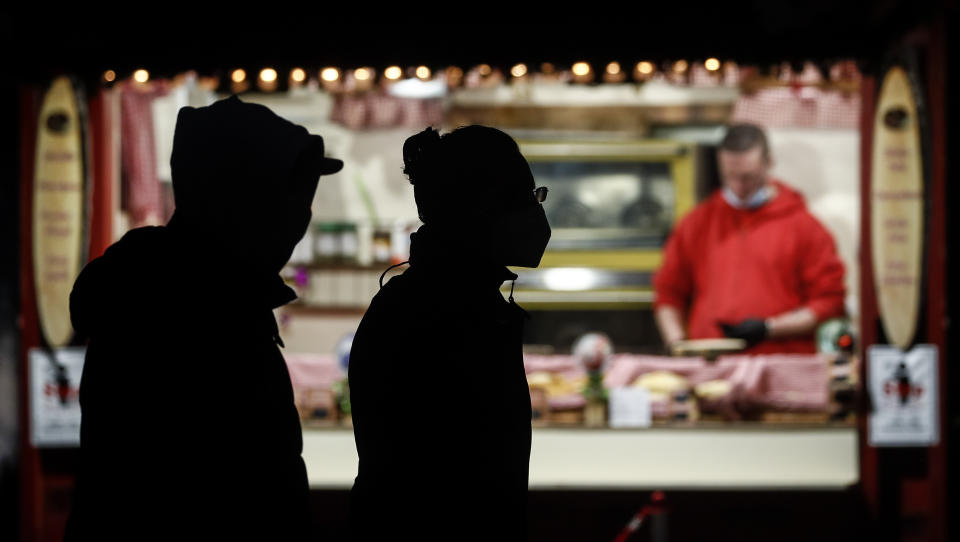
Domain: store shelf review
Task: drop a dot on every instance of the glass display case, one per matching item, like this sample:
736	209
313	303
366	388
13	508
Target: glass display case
611	207
617	198
604	205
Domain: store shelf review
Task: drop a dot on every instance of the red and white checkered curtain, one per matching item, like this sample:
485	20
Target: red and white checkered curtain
803	104
803	107
141	192
366	111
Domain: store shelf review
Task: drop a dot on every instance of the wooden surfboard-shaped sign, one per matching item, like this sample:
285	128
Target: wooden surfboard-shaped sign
897	219
58	204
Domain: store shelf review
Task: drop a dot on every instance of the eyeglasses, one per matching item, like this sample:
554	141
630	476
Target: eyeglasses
540	193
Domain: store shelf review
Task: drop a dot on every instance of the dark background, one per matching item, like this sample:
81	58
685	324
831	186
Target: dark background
167	40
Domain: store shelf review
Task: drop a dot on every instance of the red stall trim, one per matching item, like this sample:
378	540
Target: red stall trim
937	267
868	301
31	475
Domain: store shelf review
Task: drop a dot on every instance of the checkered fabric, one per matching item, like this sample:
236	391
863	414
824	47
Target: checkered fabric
313	371
803	107
702	77
781	381
140	194
376	110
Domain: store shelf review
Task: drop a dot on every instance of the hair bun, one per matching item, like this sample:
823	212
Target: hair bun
416	148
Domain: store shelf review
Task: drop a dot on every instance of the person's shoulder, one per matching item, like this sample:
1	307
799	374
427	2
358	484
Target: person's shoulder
793	203
144	233
701	212
138	243
113	283
805	223
391	300
395	287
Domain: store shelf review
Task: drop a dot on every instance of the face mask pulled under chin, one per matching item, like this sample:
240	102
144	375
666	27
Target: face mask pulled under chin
522	237
758	198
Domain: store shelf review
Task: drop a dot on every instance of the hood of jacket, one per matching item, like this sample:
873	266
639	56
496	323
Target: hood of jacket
244	181
233	157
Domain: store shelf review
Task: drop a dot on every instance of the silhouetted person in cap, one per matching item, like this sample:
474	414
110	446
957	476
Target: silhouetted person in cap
189	429
439	397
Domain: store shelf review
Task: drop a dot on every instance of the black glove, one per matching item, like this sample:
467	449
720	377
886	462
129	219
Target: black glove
752	330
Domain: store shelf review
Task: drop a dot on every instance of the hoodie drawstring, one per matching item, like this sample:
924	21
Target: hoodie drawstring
389	268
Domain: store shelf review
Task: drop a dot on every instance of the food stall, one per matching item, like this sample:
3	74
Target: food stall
626	151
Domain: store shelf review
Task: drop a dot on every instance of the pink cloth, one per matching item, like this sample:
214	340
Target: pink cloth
564	402
566	366
806	107
373	110
312	371
781	381
141	194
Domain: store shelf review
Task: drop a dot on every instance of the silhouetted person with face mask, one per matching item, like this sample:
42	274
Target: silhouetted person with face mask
189	429
439	397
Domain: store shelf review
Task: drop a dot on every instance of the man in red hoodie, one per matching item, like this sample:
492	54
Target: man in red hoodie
750	262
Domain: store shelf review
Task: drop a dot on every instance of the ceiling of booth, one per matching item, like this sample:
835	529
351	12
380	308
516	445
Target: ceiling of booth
172	39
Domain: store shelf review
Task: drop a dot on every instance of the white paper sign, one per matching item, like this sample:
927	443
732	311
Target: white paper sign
903	389
55	397
630	407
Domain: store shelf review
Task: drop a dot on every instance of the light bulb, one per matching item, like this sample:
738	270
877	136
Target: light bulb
330	74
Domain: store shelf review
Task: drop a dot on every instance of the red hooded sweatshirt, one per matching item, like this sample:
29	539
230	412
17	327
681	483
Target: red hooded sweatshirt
723	264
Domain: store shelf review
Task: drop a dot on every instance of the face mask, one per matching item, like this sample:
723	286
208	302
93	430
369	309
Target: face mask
522	237
758	198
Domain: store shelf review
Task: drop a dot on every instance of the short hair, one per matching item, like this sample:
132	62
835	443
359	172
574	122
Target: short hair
743	137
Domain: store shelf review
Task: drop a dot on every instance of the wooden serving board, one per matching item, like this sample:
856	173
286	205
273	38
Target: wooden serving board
708	348
58	209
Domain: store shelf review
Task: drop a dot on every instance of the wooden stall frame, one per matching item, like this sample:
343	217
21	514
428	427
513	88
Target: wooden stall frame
43	475
892	494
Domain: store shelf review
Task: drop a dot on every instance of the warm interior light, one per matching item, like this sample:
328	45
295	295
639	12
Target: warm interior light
547	68
581	68
109	75
238	75
569	278
680	66
712	64
423	72
141	76
519	70
298	75
362	74
484	69
268	75
393	72
645	67
330	74
613	68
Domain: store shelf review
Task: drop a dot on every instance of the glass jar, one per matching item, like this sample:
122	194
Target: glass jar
349	242
327	242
